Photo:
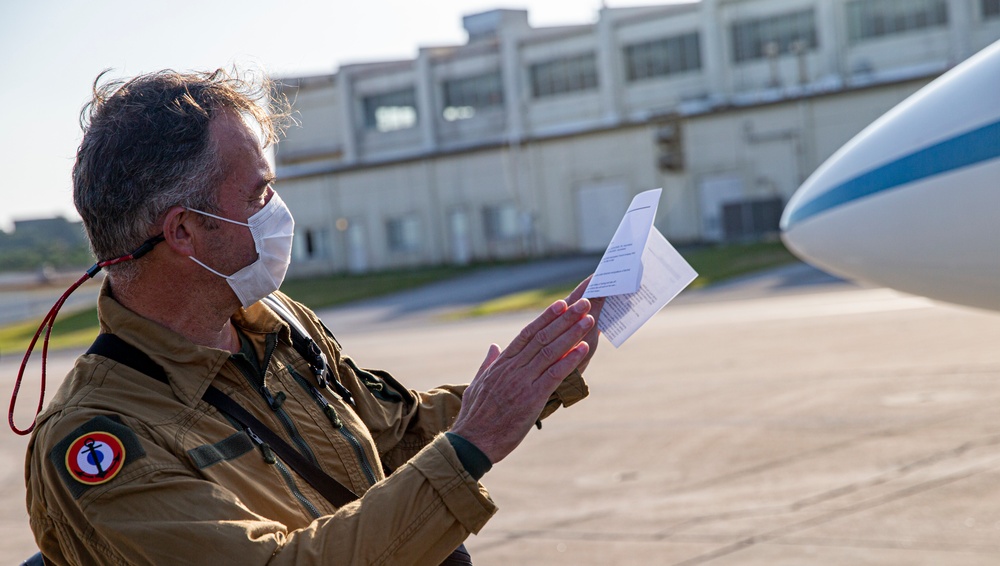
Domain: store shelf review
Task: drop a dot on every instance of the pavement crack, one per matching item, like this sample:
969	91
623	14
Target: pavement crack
832	515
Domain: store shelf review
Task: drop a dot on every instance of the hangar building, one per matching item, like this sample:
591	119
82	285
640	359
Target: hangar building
530	141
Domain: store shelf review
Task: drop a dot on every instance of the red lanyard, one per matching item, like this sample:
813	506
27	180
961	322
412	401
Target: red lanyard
50	319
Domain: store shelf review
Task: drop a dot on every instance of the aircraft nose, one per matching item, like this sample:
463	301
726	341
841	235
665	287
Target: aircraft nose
810	199
792	214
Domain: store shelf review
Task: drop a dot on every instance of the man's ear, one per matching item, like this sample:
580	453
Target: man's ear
178	230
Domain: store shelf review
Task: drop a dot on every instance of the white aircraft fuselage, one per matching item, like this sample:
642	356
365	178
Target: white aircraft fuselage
913	201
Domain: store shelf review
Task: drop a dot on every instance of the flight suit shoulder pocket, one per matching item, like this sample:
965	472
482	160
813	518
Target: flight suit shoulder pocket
228	448
381	384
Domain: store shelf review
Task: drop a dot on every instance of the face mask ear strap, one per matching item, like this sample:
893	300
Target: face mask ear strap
218	217
50	319
194	259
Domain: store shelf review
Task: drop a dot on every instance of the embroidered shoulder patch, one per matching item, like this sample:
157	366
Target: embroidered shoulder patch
95	453
95	457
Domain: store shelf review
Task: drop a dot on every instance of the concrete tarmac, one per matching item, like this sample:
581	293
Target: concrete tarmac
765	422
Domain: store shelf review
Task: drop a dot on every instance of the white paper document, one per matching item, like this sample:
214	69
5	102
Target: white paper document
620	270
639	274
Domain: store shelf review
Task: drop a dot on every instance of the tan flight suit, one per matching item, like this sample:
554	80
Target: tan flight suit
188	487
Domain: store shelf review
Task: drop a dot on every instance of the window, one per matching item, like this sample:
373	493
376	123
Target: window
501	222
403	234
662	57
991	8
568	74
463	97
391	110
755	39
868	19
310	243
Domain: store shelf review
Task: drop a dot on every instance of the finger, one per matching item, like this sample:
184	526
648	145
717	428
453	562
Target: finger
596	306
472	392
577	293
560	369
554	330
528	333
491	356
560	347
559	327
594	336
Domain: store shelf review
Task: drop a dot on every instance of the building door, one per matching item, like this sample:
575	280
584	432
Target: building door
599	209
458	234
357	249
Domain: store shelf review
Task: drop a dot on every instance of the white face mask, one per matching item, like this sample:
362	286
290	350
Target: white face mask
272	228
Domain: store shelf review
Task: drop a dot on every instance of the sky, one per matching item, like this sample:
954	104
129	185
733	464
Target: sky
52	50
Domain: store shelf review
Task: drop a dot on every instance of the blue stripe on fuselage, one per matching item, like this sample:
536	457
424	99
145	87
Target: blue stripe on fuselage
962	150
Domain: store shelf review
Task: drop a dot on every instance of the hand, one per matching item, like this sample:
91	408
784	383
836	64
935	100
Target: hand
595	311
511	387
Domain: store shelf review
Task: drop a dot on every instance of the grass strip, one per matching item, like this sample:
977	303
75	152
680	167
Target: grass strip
78	329
713	264
71	330
332	290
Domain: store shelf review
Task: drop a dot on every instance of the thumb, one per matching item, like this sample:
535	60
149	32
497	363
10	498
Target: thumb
491	355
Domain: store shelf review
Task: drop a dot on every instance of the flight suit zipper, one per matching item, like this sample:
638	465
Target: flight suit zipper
274	401
337	423
271	458
353	441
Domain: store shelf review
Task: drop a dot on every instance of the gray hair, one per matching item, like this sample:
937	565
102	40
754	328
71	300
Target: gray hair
146	148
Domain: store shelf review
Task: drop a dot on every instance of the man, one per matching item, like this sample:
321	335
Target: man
125	469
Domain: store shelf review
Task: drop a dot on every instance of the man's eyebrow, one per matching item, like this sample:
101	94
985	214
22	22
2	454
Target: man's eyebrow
265	181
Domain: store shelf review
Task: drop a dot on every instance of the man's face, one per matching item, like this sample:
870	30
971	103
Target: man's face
244	191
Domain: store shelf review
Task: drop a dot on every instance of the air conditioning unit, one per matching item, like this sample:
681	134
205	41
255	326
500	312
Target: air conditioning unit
670	155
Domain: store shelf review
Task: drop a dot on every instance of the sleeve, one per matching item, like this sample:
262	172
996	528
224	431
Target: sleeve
572	390
155	510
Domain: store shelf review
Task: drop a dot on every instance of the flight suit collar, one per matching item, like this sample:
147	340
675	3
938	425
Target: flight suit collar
190	368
